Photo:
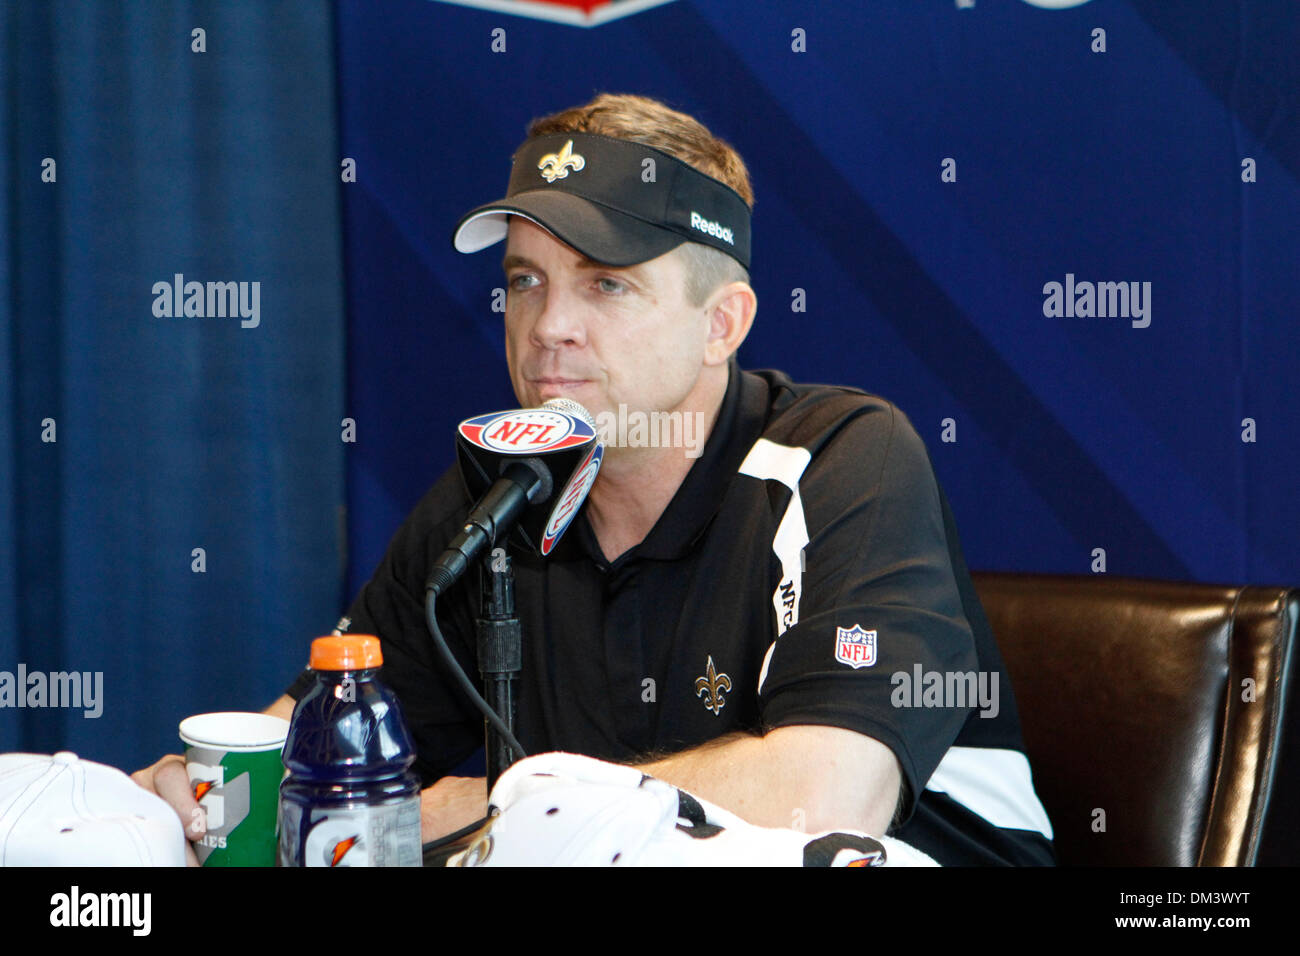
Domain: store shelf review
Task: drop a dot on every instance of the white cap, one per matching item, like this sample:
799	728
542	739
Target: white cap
65	811
560	809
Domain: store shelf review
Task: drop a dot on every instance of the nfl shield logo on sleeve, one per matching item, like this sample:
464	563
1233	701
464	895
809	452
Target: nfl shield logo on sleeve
855	647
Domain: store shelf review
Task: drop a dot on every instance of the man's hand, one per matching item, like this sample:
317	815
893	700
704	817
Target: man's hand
450	805
168	779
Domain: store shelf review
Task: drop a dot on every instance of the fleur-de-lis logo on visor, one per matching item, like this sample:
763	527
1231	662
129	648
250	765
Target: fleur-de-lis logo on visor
714	685
557	165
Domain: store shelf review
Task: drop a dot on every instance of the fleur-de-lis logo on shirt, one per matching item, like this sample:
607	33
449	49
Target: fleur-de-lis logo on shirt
557	165
714	685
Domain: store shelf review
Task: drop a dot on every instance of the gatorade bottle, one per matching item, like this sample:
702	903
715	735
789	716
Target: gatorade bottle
350	798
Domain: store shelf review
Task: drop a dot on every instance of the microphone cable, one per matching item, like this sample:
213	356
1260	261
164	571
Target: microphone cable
465	684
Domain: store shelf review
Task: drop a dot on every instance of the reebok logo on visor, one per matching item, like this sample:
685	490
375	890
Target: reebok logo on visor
712	228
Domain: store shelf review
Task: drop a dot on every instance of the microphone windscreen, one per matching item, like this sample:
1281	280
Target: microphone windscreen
572	407
558	439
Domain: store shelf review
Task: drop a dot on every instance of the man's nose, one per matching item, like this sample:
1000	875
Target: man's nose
559	323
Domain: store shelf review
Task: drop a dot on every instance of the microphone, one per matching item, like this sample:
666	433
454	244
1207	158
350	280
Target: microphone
531	470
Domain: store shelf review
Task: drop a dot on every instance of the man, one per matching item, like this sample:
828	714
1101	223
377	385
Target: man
734	621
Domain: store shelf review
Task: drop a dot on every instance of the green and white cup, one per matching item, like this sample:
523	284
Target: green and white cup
234	766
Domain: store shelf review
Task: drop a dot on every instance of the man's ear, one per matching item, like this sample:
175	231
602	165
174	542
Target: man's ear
730	313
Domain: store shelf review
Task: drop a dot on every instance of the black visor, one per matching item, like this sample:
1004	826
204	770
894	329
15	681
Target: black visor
615	201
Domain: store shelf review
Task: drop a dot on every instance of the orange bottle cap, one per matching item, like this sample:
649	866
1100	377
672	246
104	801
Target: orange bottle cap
345	652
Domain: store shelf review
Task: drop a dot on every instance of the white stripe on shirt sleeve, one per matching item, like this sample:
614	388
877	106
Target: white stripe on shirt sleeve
997	784
769	461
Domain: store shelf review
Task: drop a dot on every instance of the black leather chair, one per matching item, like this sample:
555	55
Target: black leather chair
1157	703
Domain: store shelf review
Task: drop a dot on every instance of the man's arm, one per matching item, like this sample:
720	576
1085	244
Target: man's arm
282	707
806	777
802	777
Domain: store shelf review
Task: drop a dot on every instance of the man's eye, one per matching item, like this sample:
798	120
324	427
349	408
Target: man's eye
518	282
610	285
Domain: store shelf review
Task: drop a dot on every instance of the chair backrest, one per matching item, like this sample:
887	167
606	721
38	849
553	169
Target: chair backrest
1150	710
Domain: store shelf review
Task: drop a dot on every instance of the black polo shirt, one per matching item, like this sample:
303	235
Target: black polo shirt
807	560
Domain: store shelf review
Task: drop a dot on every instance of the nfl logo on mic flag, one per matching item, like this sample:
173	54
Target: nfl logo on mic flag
855	647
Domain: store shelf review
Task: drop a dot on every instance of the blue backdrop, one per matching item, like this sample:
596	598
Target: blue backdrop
1118	166
1119	156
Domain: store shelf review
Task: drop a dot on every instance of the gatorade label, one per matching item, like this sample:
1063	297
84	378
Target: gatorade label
385	835
238	793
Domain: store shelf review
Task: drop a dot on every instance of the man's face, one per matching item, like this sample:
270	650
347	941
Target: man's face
600	335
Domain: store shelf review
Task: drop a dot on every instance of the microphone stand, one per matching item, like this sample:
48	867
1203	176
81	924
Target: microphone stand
500	655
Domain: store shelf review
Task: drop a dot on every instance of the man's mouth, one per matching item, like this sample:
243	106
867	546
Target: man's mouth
552	385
